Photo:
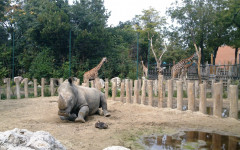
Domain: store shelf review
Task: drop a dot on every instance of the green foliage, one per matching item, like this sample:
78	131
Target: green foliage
42	66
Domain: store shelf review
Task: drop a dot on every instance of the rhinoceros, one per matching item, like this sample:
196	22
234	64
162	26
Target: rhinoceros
75	103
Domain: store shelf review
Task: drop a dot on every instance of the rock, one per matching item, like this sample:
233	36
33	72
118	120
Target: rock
22	139
116	148
101	125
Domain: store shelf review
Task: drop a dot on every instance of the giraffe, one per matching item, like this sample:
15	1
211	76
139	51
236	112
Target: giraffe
93	73
182	66
145	70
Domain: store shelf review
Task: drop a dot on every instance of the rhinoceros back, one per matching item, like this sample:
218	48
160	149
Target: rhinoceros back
92	96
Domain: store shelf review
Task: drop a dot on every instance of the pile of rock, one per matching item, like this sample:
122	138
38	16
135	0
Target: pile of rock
23	139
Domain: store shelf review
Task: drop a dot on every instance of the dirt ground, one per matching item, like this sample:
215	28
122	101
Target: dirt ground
126	124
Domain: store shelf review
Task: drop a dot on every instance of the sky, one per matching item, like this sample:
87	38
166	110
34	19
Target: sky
124	10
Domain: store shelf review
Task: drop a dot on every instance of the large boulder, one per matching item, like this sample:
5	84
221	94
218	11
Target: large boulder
22	139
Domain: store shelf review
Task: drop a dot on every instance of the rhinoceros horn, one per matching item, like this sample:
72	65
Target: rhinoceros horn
61	103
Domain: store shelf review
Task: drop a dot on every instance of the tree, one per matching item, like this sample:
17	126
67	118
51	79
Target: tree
203	17
150	24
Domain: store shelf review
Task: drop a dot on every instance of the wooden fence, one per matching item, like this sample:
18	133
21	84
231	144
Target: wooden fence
173	94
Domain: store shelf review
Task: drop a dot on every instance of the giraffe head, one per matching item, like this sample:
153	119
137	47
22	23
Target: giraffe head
104	59
195	56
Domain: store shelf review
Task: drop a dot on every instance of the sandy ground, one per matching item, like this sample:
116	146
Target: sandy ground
127	123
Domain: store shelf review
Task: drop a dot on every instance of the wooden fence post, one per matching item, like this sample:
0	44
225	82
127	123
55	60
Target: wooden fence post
52	86
233	113
128	95
106	88
212	87
60	81
179	95
131	88
18	88
35	87
160	91
136	92
26	87
43	86
155	87
150	92
170	93
143	96
122	91
218	100
202	98
191	96
114	89
8	91
196	85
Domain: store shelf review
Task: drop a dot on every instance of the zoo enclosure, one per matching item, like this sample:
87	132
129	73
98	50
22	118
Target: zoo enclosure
174	94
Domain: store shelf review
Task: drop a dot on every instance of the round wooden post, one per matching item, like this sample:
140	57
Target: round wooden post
131	88
228	87
114	89
150	92
98	84
191	96
196	85
160	91
8	91
170	93
106	89
128	95
60	81
26	87
143	96
122	91
52	86
218	100
155	85
43	86
233	90
92	84
77	82
136	92
212	87
179	95
35	87
18	88
202	98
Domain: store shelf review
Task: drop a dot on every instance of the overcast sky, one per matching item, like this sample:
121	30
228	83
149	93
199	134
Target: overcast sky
124	10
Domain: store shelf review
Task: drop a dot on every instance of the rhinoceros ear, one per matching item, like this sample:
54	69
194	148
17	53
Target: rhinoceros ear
70	80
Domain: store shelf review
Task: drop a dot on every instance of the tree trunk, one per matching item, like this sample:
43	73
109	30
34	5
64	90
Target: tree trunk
236	55
202	55
214	55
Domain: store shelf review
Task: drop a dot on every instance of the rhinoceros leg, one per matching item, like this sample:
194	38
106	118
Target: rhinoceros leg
103	104
71	117
83	112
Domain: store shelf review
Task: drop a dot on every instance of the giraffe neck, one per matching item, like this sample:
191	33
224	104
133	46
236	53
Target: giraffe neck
189	58
99	65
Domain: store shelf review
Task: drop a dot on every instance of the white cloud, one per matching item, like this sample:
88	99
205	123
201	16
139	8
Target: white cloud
124	10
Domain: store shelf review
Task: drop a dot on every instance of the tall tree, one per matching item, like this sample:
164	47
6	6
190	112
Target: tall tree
203	18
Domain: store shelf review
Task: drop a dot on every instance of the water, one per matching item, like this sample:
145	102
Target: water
191	140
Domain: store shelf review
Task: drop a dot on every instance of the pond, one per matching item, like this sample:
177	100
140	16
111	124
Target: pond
191	140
